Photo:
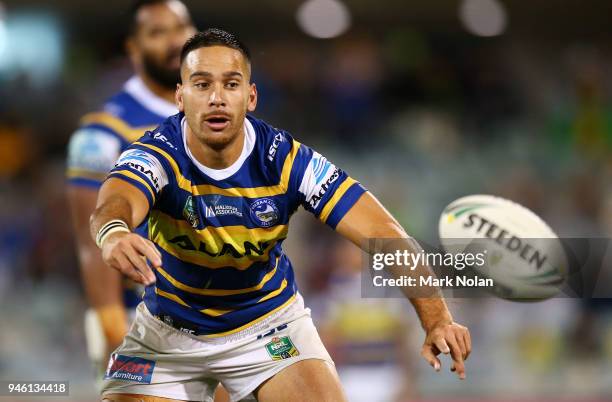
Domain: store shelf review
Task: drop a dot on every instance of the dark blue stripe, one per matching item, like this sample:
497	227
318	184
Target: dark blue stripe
135	183
210	325
83	182
222	278
345	204
244	300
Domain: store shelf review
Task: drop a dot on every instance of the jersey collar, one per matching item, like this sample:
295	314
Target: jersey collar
139	91
222	174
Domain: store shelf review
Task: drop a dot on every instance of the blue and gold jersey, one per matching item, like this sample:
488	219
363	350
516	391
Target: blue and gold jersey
220	231
102	136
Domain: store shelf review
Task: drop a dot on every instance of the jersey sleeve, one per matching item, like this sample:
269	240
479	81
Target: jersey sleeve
324	189
92	153
143	170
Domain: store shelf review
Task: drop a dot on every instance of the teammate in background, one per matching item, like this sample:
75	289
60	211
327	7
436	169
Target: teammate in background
366	337
221	304
158	29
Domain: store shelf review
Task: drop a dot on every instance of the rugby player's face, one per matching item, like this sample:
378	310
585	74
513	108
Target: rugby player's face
156	45
216	94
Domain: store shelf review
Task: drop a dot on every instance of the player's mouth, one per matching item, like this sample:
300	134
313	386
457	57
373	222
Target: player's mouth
217	122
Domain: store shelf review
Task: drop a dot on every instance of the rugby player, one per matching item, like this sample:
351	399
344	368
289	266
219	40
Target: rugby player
218	187
158	29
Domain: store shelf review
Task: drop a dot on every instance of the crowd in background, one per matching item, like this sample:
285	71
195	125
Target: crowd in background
420	119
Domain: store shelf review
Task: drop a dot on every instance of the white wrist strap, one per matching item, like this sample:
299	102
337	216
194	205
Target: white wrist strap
110	227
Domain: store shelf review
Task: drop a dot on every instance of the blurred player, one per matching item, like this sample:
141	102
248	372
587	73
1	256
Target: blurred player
218	188
158	29
366	337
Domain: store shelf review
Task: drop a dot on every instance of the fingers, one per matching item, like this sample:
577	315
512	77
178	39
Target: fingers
431	357
129	253
125	267
441	344
468	343
456	355
461	343
450	338
148	249
138	261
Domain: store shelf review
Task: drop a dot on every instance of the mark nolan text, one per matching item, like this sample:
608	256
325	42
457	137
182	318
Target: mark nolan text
459	281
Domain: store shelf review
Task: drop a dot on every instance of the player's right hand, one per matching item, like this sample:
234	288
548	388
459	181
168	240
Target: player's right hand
128	253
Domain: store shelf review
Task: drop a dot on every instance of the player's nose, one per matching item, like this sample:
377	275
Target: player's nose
216	98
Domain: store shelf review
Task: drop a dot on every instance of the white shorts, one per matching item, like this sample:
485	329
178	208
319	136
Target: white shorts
157	359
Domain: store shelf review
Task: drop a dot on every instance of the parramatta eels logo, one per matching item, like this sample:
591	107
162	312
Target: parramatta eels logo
190	213
265	212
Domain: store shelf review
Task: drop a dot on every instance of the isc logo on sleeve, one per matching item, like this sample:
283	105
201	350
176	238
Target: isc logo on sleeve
128	368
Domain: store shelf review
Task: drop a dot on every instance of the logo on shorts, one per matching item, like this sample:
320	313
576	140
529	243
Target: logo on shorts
190	213
281	348
128	368
265	212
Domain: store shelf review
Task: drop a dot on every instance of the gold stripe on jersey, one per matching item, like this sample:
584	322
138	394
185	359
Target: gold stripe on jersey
218	292
216	312
329	207
214	247
119	126
275	292
172	297
249	192
134	176
88	174
213	312
255	321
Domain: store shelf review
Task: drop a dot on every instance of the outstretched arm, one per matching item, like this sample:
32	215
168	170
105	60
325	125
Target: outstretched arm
102	285
368	219
123	250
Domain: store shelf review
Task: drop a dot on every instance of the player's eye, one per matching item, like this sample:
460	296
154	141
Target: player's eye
232	84
157	32
201	85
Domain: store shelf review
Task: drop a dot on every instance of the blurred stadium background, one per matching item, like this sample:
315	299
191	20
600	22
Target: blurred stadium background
423	101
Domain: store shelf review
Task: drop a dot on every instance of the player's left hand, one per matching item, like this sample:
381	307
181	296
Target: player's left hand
448	338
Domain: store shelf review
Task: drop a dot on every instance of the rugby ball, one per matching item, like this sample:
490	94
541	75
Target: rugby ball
522	254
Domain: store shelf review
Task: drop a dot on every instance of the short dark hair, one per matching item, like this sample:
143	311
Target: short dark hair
214	37
135	8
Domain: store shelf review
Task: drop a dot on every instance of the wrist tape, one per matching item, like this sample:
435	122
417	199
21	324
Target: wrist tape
113	226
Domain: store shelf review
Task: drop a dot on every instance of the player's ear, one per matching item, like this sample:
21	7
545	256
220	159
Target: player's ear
131	49
252	98
178	97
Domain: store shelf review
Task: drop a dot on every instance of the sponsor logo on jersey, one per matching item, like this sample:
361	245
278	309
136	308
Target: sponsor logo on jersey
160	137
314	201
265	212
141	161
278	138
217	205
129	368
281	348
190	213
320	166
186	243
